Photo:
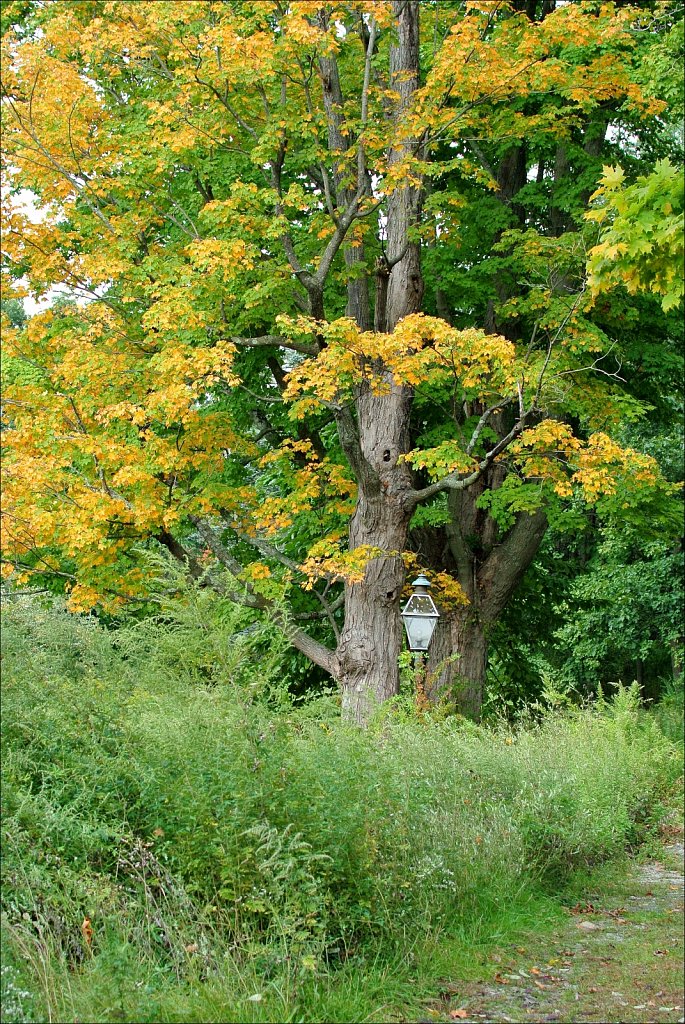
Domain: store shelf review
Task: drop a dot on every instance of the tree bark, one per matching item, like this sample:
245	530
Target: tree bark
405	287
371	639
458	659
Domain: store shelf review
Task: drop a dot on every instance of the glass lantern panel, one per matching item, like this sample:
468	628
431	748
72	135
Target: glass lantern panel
419	631
421	604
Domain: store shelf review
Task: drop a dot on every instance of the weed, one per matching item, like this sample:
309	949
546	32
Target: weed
182	843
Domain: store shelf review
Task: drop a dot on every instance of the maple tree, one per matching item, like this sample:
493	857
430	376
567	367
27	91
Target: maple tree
275	375
642	247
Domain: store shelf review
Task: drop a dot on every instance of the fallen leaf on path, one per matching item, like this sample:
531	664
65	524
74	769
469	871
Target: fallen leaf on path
662	952
588	926
584	908
459	1014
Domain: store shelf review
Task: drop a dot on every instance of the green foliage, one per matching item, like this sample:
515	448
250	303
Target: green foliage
628	606
642	248
195	635
661	70
15	999
224	846
669	713
14	310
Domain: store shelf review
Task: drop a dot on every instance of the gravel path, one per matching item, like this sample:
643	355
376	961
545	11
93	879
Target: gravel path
618	958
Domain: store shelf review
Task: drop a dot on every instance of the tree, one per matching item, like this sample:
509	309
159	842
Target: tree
13	309
262	382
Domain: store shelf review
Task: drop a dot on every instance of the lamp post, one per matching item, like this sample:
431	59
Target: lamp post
420	617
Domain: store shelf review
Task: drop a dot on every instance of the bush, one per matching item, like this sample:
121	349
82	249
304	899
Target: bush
187	820
669	713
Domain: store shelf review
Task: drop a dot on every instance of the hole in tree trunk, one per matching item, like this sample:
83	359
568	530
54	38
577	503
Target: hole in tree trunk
386	455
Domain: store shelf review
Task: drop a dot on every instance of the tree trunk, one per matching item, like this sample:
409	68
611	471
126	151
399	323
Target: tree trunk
489	573
405	287
372	636
371	639
559	220
458	661
339	142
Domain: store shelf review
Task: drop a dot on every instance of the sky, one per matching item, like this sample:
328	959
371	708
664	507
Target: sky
25	201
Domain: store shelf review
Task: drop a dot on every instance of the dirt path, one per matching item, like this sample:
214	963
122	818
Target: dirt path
618	958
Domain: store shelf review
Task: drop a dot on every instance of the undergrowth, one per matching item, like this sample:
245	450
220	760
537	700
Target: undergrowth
181	842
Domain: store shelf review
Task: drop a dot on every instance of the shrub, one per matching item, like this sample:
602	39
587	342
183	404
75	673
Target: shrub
188	820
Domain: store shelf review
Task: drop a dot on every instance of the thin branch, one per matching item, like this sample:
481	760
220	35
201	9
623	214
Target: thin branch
272	552
80	186
338	238
361	159
482	422
614	375
248	597
224	101
454	482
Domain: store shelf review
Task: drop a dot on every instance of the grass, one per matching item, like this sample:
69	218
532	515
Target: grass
610	951
183	843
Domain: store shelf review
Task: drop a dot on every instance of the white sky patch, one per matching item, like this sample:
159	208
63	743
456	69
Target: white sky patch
27	202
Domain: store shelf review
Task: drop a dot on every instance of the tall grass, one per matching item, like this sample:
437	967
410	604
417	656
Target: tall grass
182	843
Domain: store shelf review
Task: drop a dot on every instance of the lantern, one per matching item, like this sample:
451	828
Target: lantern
420	616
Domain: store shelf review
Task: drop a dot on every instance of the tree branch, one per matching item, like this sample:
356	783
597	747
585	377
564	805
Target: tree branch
454	482
180	554
349	441
275	339
315	651
482	422
502	570
248	597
